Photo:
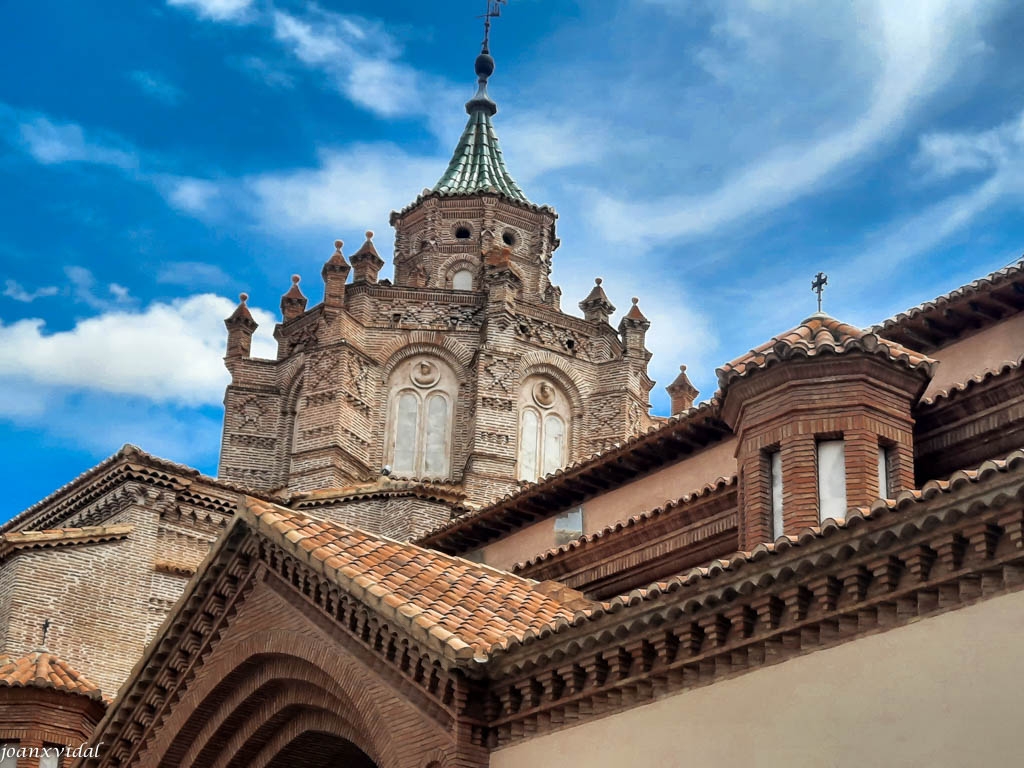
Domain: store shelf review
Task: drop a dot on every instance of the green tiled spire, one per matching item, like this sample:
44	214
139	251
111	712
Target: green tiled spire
477	165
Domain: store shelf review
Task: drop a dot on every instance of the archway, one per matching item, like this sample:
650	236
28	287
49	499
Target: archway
314	749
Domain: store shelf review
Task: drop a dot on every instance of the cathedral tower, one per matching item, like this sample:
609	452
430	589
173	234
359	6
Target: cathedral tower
462	376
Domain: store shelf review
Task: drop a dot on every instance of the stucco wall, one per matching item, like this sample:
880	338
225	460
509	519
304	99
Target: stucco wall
989	348
943	692
620	503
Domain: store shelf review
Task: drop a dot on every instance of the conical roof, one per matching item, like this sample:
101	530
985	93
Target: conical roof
477	165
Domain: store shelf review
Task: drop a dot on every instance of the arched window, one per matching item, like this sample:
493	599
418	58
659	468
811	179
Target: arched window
543	428
462	280
422	397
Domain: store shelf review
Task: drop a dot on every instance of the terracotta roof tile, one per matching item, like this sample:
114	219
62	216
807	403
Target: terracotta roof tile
977	379
981	285
821	335
718	485
42	669
463	608
57	537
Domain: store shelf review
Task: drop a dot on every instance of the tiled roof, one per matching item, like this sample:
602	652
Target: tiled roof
10	542
720	484
965	310
977	379
42	669
130	455
992	280
427	489
821	335
459	607
477	165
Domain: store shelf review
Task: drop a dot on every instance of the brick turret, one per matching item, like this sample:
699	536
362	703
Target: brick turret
823	417
241	327
335	273
682	392
596	307
366	262
293	303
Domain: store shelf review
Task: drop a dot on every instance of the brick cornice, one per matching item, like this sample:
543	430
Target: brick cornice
928	551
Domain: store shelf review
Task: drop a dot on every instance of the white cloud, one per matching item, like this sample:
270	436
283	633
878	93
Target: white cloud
83	290
157	87
914	46
197	197
271	75
362	59
52	143
216	10
192	273
14	290
167	353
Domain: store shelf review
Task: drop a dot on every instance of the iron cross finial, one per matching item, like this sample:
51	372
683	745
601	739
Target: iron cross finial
818	286
493	11
46	629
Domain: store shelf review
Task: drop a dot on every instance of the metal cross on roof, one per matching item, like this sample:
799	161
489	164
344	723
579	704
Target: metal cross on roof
493	11
818	286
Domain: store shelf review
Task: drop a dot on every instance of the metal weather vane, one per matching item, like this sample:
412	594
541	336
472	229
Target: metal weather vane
818	286
493	12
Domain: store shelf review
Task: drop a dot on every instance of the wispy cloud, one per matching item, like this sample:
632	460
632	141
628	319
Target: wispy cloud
84	290
913	48
52	143
157	87
14	290
195	274
264	71
236	11
363	61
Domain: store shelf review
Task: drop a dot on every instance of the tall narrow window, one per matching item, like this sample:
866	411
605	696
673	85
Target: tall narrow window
528	445
569	526
883	471
405	433
423	396
543	428
435	460
7	755
831	479
775	491
49	757
462	280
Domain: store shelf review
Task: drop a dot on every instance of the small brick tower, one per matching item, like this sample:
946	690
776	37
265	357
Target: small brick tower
825	397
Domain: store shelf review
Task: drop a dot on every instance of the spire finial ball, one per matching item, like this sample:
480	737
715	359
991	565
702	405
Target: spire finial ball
369	234
295	279
484	65
682	369
243	297
598	281
636	301
338	244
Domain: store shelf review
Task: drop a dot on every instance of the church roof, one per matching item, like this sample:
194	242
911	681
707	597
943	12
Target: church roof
820	335
460	607
42	669
477	165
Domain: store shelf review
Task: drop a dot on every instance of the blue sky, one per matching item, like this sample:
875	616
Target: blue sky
157	158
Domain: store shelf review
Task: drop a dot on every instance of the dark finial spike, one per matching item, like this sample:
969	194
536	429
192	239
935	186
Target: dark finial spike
818	286
46	629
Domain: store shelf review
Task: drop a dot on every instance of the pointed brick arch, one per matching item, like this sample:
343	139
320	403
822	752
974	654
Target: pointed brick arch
251	695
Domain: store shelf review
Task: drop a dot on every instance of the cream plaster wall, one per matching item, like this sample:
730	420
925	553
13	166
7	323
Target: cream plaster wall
989	348
621	503
944	692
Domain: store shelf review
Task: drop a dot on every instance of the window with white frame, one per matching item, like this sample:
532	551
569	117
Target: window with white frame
831	479
884	487
543	428
422	401
569	526
775	491
462	280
